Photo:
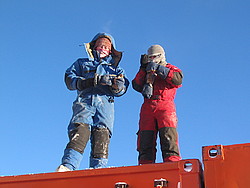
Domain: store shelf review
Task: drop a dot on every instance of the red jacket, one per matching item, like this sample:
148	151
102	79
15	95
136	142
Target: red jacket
162	89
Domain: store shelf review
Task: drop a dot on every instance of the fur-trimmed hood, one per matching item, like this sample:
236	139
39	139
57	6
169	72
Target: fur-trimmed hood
116	55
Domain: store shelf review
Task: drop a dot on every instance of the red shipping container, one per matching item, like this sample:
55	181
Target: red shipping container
181	174
227	166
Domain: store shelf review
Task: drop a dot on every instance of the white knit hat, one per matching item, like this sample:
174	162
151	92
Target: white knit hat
157	50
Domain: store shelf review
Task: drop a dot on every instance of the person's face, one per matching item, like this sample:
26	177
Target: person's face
152	57
103	46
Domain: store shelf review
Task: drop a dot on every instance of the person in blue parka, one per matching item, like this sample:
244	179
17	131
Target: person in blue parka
97	79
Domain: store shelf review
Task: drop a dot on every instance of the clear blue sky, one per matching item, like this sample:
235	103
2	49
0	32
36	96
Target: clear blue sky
209	40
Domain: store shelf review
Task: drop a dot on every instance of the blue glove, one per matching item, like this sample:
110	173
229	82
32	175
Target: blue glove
118	84
147	90
162	71
152	66
159	69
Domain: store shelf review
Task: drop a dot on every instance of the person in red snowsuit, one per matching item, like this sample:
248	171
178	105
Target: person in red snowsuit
158	81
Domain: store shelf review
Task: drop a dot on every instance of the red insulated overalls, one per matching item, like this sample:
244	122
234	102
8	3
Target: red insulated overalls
158	115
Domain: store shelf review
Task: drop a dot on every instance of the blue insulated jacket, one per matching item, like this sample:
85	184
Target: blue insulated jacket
85	68
94	104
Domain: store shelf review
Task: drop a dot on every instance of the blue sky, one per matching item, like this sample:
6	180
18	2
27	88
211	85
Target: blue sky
209	40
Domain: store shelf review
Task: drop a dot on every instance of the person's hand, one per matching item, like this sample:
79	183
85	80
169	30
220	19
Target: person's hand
118	84
82	84
103	80
152	66
144	61
147	90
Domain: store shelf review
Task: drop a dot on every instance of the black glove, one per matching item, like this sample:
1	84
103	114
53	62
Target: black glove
147	90
82	84
103	79
144	61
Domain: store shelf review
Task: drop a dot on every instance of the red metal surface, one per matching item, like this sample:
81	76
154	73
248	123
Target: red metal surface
182	174
227	166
